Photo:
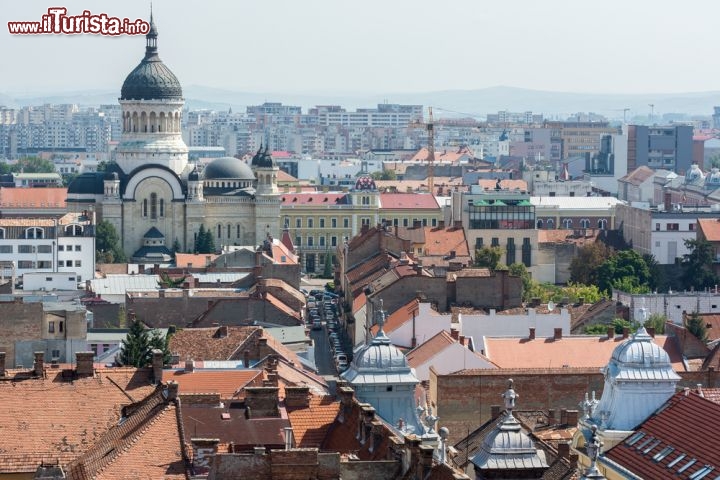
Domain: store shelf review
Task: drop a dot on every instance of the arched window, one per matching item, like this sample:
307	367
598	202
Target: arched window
584	223
238	230
74	230
602	224
153	206
228	231
219	235
539	224
550	223
2	233
567	222
34	232
144	208
162	207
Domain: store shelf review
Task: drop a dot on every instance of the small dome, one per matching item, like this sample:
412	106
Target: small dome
228	168
262	158
194	176
365	182
380	355
695	175
111	175
640	350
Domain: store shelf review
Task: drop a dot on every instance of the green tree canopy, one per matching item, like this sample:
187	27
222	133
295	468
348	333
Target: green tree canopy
328	269
520	270
488	257
696	325
584	265
204	242
384	175
625	270
656	321
697	266
107	243
136	349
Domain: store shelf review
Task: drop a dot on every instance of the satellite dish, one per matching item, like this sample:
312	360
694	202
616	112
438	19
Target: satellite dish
551	305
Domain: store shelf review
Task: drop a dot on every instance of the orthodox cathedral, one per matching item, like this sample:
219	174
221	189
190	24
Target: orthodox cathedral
154	197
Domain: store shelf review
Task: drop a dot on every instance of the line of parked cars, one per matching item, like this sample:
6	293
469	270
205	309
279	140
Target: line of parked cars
323	305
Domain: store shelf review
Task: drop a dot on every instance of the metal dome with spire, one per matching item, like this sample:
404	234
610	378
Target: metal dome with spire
151	79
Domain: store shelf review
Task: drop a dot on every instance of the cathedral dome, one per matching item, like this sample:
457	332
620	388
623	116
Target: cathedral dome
89	183
228	168
151	79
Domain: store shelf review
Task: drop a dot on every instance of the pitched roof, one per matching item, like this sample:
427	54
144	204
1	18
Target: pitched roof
710	228
577	351
194	259
407	201
637	176
32	198
208	343
359	302
152	426
427	350
378	262
314	199
60	418
311	424
439	241
228	383
398	317
686	426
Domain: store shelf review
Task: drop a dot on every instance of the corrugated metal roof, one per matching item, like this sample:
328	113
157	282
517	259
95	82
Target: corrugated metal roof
576	203
295	334
221	277
119	284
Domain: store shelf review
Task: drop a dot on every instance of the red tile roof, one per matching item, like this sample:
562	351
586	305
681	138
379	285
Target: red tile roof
197	260
637	176
208	344
359	302
408	201
570	351
33	198
399	317
427	350
310	425
443	241
710	228
123	452
689	424
378	262
225	382
314	198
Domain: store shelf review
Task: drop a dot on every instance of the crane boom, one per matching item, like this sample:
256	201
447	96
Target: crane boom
431	151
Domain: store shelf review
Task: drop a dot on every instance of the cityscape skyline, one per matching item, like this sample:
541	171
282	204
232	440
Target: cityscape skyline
322	46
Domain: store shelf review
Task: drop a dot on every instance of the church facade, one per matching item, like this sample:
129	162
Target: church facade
154	197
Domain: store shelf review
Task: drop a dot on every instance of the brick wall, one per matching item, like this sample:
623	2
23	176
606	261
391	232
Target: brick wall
463	401
19	322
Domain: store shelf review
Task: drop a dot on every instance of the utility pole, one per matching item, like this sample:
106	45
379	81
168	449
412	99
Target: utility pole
652	113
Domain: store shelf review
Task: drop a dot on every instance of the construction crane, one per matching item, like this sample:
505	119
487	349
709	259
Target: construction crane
430	126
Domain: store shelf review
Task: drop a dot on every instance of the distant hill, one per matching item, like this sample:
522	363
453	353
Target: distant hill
447	103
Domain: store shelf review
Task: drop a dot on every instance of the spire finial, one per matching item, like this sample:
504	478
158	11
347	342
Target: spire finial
509	396
151	16
381	319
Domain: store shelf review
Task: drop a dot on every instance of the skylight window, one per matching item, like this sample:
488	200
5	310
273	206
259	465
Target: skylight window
676	461
651	446
632	440
702	473
644	443
687	465
663	453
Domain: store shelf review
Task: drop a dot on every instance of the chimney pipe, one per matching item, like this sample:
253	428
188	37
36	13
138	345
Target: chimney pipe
626	332
557	334
454	333
189	366
39	365
564	449
157	365
650	331
532	333
610	332
172	390
572	417
84	364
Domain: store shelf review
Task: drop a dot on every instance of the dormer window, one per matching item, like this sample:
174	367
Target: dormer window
34	232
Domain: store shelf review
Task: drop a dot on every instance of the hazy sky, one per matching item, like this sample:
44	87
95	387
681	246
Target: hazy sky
381	46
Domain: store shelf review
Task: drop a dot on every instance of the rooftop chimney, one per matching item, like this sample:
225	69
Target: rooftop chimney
667	201
532	333
454	333
222	331
563	449
157	365
172	390
572	417
2	364
189	366
246	359
626	332
557	334
84	364
650	331
297	397
204	449
39	365
610	332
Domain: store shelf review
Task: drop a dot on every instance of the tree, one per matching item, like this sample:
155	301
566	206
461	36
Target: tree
33	165
200	239
107	243
697	266
328	269
626	270
656	321
657	274
696	325
520	270
384	175
176	246
584	265
619	324
135	349
488	257
167	282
